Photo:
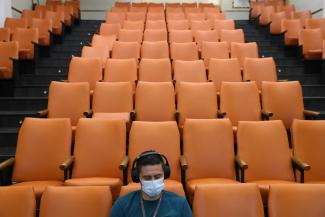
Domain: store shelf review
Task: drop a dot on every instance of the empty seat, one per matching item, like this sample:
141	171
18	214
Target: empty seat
256	9
224	70
228	200
308	149
107	29
259	69
126	50
103	41
196	101
312	43
4	34
113	100
13	23
162	137
292	30
156	24
285	101
214	16
241	51
27	40
218	50
203	25
180	36
43	144
223	24
155	50
133	25
190	71
67	14
214	139
196	16
44	27
155	101
68	100
82	69
178	25
175	16
184	51
258	144
136	16
314	23
276	27
126	35
265	18
8	53
99	52
155	16
99	149
155	35
205	36
75	201
57	25
302	16
114	18
240	101
231	36
296	200
155	70
29	15
121	70
13	197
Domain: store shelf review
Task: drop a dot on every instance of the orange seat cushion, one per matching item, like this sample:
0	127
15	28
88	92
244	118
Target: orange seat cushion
39	186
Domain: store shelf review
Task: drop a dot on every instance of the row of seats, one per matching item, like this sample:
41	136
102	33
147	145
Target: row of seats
155	101
161	70
210	201
298	28
101	153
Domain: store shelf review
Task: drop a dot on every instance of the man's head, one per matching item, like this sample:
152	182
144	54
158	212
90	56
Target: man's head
150	168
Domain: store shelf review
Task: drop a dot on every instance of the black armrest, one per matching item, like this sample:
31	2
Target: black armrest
177	116
183	163
266	115
301	166
89	113
124	163
242	165
221	114
43	114
7	163
311	114
133	115
66	167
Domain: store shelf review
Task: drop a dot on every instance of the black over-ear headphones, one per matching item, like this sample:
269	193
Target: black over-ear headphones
134	172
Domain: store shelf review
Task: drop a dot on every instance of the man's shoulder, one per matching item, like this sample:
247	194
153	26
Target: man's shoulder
128	197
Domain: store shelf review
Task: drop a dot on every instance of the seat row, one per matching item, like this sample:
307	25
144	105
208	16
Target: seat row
101	154
210	201
155	101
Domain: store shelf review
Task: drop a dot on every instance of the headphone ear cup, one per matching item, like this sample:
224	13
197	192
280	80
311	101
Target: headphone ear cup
135	175
167	171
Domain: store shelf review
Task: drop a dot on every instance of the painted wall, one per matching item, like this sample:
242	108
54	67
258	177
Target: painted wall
5	11
312	5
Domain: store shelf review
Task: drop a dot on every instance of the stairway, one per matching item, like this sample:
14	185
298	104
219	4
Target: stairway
289	67
30	95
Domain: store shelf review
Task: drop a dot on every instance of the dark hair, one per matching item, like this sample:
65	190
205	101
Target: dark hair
152	159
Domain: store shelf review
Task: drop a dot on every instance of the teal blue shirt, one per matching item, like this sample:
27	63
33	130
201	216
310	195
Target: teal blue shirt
171	205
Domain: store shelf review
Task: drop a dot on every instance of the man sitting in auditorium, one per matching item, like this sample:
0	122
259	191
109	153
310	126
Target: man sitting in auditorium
152	200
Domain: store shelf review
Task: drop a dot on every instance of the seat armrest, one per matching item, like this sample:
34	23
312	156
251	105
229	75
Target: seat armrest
177	116
124	163
221	114
301	166
310	113
266	115
35	43
67	164
13	59
242	164
183	162
133	115
283	80
7	163
44	113
89	113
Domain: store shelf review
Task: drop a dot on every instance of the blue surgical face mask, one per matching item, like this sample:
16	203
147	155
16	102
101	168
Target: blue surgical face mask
153	187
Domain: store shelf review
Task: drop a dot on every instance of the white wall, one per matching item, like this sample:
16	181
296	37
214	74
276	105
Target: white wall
312	5
5	10
20	5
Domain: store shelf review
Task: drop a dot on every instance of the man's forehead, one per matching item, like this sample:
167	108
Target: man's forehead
151	169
